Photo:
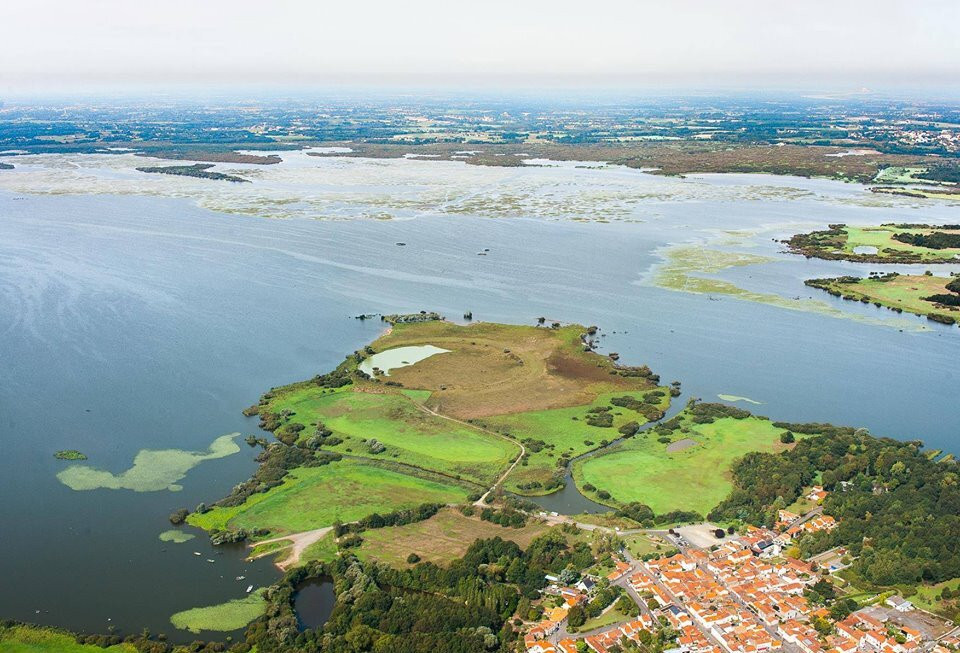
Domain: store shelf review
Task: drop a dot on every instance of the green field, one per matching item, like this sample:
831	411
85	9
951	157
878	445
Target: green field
324	549
900	293
315	497
34	639
928	597
608	618
410	435
567	431
695	478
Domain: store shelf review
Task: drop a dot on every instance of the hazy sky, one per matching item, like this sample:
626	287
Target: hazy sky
69	44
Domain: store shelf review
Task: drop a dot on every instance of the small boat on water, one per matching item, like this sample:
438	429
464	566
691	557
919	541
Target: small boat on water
240	577
196	553
210	560
249	588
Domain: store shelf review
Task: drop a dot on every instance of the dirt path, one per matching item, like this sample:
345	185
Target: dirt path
523	449
299	542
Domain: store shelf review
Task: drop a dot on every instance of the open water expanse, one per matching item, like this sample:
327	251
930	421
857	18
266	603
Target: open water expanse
146	321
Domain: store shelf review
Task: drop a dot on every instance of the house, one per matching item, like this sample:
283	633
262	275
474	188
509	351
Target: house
899	604
817	494
586	584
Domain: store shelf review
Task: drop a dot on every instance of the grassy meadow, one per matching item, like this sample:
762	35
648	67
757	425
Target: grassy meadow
36	639
315	497
410	435
566	430
696	477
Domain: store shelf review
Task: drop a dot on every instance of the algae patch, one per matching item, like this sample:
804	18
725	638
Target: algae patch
152	471
683	264
232	615
176	536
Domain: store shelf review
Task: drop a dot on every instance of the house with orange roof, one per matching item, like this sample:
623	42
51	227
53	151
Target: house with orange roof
620	569
567	646
817	494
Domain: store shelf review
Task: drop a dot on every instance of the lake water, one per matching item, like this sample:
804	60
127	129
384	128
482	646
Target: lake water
397	357
313	603
141	321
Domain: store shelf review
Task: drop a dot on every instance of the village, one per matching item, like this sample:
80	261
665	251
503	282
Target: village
723	592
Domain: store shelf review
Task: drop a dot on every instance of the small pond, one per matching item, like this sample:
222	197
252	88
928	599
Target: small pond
865	249
399	357
313	603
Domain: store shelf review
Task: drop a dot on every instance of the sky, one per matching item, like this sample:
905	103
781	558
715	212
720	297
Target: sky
63	45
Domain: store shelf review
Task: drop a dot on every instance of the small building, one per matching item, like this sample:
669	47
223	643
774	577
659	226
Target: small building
899	604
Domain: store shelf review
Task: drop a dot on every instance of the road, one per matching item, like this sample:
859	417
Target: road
299	541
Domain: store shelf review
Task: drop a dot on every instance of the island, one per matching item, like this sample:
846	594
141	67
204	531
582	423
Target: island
886	243
200	170
69	454
439	413
937	298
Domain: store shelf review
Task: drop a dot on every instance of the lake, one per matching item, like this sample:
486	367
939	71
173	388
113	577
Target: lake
138	320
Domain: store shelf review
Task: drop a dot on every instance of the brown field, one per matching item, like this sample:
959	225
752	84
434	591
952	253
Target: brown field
440	539
674	158
495	369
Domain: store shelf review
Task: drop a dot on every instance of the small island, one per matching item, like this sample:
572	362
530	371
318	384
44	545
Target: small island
69	454
937	298
200	170
886	243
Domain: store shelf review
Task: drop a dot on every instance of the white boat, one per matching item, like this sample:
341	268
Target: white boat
249	588
196	553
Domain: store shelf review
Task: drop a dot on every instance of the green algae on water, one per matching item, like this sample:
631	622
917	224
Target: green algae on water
153	470
176	536
224	617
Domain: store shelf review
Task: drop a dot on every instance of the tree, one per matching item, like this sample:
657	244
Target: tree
787	437
413	558
576	617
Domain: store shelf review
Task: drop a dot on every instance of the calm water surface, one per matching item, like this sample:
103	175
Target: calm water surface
141	322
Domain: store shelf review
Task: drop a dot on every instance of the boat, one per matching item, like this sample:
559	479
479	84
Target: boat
196	553
249	588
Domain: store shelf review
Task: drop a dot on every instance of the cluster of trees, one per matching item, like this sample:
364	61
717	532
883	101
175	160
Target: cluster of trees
275	463
506	517
647	406
934	240
636	371
898	510
600	416
644	515
948	299
396	518
462	608
603	597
